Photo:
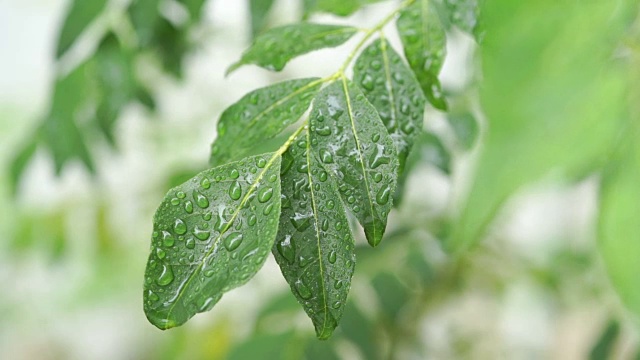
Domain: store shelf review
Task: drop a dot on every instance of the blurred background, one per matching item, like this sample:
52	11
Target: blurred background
100	116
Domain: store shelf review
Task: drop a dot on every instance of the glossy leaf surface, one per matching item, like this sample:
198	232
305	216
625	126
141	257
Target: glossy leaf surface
260	115
81	13
424	43
348	136
393	90
314	247
210	235
274	48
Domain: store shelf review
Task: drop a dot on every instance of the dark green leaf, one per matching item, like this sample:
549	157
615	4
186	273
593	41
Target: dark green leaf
171	43
602	350
20	162
316	350
543	113
314	247
260	115
194	8
210	235
145	15
466	128
273	49
424	43
259	11
80	15
351	140
359	329
392	89
434	152
392	294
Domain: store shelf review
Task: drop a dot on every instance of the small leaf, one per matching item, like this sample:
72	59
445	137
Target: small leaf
314	247
348	136
273	49
433	151
80	15
424	43
210	235
393	90
20	162
466	128
261	115
259	10
464	14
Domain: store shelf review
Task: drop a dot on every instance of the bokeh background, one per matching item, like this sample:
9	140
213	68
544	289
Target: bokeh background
73	243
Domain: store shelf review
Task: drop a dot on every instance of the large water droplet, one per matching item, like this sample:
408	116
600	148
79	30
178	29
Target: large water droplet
166	277
332	257
378	158
205	183
161	253
235	190
377	177
302	289
383	195
338	284
181	195
252	220
233	240
188	207
326	156
323	130
261	163
367	82
201	234
234	174
167	239
265	194
180	227
200	199
301	222
267	210
287	249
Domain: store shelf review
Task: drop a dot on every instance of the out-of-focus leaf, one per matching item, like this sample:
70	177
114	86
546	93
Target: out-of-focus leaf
317	350
274	48
268	346
434	152
464	14
211	234
194	8
336	7
20	162
260	115
259	11
393	90
602	349
171	43
80	14
543	113
424	43
360	330
392	294
348	136
466	128
145	15
314	247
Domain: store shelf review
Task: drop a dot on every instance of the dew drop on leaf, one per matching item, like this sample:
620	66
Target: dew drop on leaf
201	200
201	234
233	240
235	190
180	227
166	277
265	194
302	289
167	239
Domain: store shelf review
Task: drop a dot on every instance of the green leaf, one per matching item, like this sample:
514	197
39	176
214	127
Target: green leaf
80	15
466	128
544	115
145	15
351	140
259	10
424	43
171	44
314	247
393	90
210	235
336	7
273	49
392	294
266	346
464	14
20	162
619	229
194	8
260	115
603	349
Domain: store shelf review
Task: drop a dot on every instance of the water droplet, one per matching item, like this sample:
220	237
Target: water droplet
252	220
367	83
167	239
201	234
326	156
376	65
287	249
332	257
331	204
336	304
267	210
181	195
188	207
153	296
190	243
166	277
383	195
338	284
338	226
273	178
303	168
261	163
265	194
375	137
325	225
201	200
175	201
377	158
205	183
323	131
377	177
351	199
323	176
234	174
302	289
206	216
209	272
233	240
160	253
301	222
155	234
180	227
235	190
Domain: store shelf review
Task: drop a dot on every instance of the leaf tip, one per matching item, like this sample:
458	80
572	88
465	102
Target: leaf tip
233	67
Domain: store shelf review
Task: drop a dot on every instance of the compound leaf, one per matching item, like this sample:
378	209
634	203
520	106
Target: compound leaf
260	115
349	137
80	15
274	48
210	235
424	41
315	246
393	90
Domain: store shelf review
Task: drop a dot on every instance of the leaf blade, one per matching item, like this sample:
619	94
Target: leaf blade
259	115
79	16
315	246
223	240
273	49
361	154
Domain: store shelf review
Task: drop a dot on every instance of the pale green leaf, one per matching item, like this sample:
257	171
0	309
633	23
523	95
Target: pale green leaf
464	14
424	43
466	128
393	90
352	142
210	235
314	247
259	10
544	112
274	48
145	15
80	14
261	115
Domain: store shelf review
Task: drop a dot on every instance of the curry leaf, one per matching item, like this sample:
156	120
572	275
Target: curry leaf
424	43
351	140
260	115
273	49
210	235
80	15
314	247
393	90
